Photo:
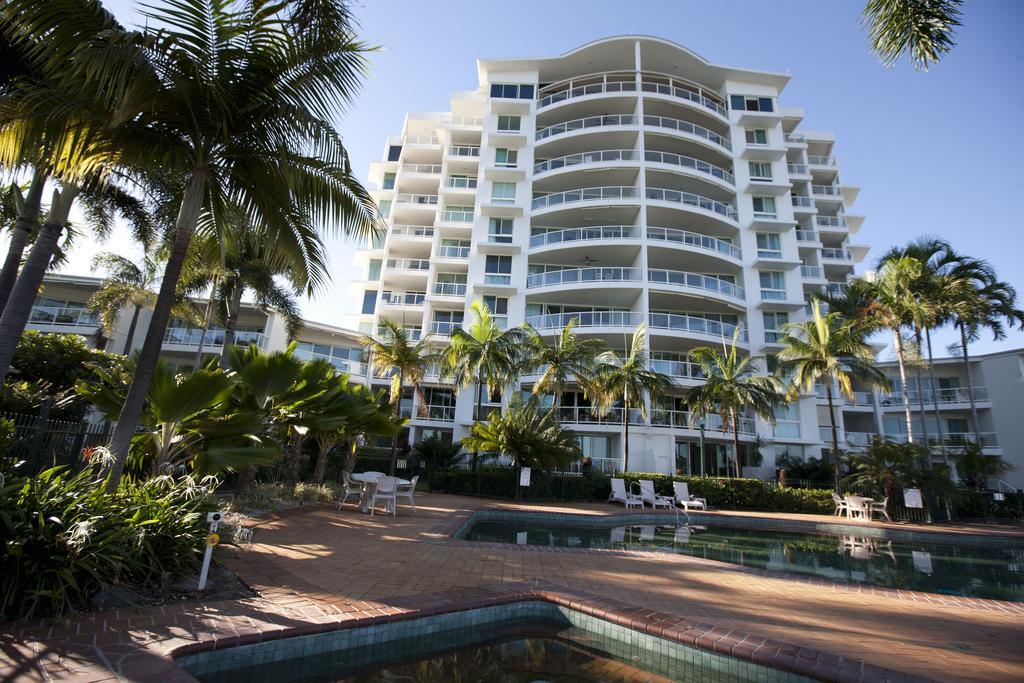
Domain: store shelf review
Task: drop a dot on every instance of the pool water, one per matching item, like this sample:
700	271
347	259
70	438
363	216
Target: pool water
972	571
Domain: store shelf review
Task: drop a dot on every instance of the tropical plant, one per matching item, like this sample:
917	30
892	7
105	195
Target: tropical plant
437	451
828	350
403	361
22	208
528	433
628	378
887	466
922	29
569	358
486	355
731	385
975	467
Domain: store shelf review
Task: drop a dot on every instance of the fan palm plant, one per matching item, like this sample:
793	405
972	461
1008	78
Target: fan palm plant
529	434
628	378
923	29
731	385
404	361
486	355
569	358
828	350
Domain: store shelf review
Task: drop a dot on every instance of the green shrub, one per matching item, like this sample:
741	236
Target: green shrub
311	493
65	537
502	482
264	496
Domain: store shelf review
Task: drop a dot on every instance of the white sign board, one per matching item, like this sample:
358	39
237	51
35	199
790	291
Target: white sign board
521	538
524	477
998	497
922	561
912	498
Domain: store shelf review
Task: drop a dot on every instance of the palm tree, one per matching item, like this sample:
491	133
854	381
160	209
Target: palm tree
731	385
25	208
238	100
628	378
528	433
921	28
398	357
486	355
571	357
829	350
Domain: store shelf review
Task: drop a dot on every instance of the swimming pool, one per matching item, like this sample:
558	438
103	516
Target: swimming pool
860	556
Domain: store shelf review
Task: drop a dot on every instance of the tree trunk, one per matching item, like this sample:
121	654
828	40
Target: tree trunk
131	331
903	380
975	423
835	431
231	321
185	226
920	396
28	214
476	418
398	414
19	306
350	457
206	325
935	400
736	442
625	433
320	469
291	465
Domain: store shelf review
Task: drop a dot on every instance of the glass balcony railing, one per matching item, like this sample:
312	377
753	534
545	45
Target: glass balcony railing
942	396
568	276
699	281
795	137
427	199
586	123
444	328
675	89
352	367
693	239
463	150
411	333
682	419
189	336
557	321
461	183
692	323
586	415
426	169
773	294
585	158
826	190
583	195
690	199
687	127
403	298
457	215
797	169
412	231
421	140
817	160
569	92
690	162
596	232
408	264
457	289
800	200
67	316
836	254
815	272
830	221
677	368
449	119
806	236
453	252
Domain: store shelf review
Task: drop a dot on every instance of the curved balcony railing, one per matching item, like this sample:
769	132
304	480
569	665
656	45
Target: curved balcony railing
687	127
586	122
585	158
693	239
557	321
595	232
683	419
585	194
677	368
690	162
449	289
675	90
568	276
708	283
684	322
413	231
690	199
590	89
72	316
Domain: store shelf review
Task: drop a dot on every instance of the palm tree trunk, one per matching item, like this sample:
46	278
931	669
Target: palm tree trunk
920	395
835	431
231	321
935	399
206	324
28	213
131	330
19	306
898	342
625	433
185	227
291	466
398	414
320	469
975	424
736	442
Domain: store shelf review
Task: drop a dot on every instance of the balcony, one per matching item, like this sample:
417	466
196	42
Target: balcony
831	192
694	240
597	232
943	396
840	254
689	129
69	316
797	169
806	236
695	281
416	264
812	272
583	195
434	413
411	333
683	322
448	251
189	336
677	369
802	201
418	199
462	183
586	415
444	328
816	160
690	163
568	276
685	92
583	319
409	299
421	169
585	123
773	294
462	151
459	214
346	365
694	200
421	140
796	138
683	419
568	92
952	440
412	232
465	121
452	289
830	222
585	158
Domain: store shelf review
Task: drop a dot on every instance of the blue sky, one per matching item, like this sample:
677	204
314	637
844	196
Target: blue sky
934	153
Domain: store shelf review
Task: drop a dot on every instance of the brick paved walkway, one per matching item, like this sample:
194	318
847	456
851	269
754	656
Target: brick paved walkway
317	568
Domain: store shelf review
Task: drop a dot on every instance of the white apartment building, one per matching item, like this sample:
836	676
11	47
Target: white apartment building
626	181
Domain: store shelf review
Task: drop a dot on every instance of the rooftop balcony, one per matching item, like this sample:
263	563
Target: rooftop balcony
692	200
567	91
690	130
593	233
71	316
697	282
586	123
583	195
693	324
585	319
697	165
694	240
585	158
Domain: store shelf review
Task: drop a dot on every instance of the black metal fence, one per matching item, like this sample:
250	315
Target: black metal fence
39	442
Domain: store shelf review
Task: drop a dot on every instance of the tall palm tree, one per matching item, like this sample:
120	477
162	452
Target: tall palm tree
628	378
486	355
238	99
829	350
923	29
25	211
731	385
405	361
569	358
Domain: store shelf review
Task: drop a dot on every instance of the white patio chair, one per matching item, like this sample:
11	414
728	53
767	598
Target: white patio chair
407	490
349	488
648	495
684	499
880	508
842	505
620	495
385	491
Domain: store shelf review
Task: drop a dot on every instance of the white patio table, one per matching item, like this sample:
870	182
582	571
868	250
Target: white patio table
368	482
859	507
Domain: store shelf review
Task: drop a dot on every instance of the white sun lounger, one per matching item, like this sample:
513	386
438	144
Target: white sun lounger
620	495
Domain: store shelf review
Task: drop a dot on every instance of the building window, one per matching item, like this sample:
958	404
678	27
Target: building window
500	231
389	181
498	306
458	214
369	301
774	322
748	103
498	270
385	209
503	193
512	91
505	157
764	207
760	170
509	123
773	285
769	245
756	136
394	152
374	272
